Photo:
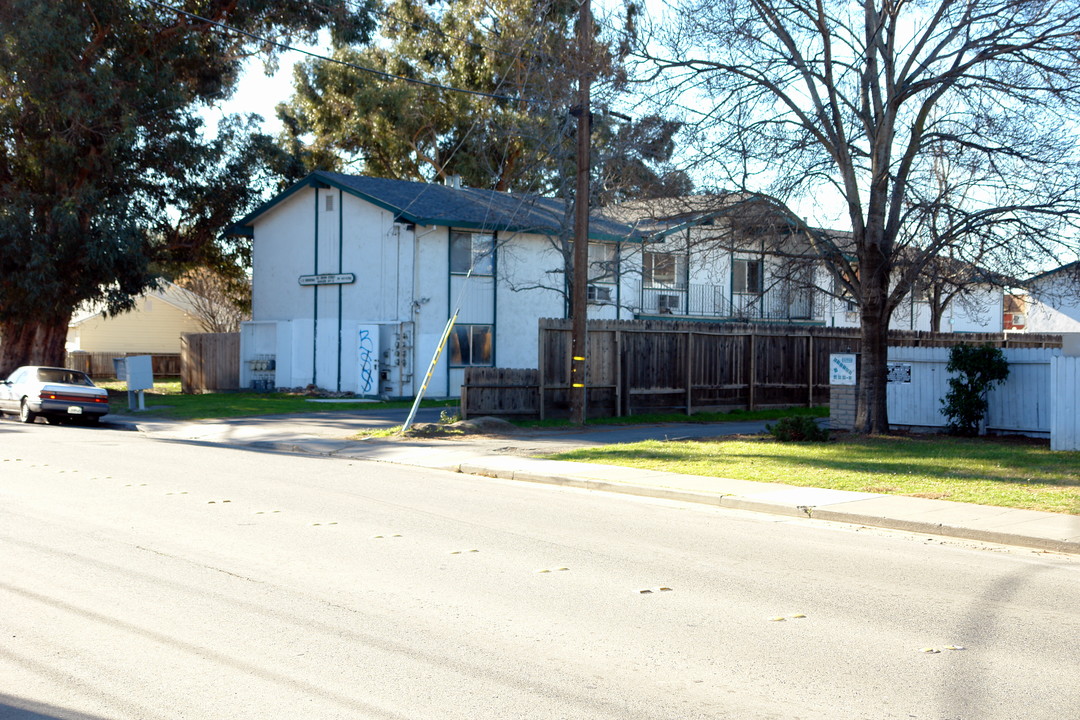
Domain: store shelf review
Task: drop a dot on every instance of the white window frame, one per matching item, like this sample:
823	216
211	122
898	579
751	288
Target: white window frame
740	276
677	262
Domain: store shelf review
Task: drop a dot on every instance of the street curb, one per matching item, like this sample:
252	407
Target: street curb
807	512
730	501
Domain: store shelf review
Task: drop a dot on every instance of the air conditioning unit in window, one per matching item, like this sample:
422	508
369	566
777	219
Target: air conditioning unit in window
668	303
599	293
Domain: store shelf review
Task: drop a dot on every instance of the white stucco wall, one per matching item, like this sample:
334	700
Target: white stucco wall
403	286
1053	306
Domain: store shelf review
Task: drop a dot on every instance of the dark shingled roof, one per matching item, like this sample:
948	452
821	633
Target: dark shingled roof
466	208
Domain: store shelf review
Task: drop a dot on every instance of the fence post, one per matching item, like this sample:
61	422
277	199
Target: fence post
618	373
689	379
810	370
751	370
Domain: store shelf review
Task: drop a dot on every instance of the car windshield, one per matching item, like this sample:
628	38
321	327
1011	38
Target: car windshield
57	375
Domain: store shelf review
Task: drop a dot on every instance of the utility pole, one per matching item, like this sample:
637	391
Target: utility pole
579	300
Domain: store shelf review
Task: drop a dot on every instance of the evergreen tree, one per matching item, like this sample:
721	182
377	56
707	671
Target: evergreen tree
514	132
105	172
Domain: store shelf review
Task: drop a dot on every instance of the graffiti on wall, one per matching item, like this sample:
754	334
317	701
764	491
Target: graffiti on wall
368	359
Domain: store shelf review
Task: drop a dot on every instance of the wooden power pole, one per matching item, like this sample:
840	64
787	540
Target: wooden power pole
579	301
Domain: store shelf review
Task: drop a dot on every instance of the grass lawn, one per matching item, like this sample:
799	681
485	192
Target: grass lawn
1019	473
166	401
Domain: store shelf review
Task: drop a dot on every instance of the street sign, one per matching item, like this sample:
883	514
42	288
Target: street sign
328	279
842	369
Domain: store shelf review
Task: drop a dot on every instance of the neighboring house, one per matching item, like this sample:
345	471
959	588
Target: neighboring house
746	258
1052	303
354	278
153	326
726	257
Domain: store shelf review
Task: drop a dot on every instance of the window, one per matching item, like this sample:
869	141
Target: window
474	251
665	270
599	293
746	276
602	262
471	345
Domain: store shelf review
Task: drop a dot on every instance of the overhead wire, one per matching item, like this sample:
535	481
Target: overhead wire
386	76
355	66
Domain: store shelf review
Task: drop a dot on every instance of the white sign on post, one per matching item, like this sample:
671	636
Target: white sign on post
842	369
140	372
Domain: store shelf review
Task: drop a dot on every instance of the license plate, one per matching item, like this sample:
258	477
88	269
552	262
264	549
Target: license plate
74	410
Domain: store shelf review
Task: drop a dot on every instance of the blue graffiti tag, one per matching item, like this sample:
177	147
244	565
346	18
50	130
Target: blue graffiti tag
367	363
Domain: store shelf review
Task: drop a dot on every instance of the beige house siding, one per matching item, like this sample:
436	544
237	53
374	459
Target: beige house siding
153	326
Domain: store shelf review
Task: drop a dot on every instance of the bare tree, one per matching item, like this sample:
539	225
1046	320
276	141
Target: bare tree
801	98
219	302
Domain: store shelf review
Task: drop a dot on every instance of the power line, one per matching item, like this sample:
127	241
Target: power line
371	71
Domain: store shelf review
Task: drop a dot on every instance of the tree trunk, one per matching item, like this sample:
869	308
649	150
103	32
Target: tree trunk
937	310
35	342
871	412
871	408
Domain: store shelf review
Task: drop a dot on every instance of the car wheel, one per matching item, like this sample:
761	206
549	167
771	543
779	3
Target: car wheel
25	414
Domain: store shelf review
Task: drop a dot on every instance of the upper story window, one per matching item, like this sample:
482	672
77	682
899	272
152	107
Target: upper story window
664	270
475	251
603	259
747	276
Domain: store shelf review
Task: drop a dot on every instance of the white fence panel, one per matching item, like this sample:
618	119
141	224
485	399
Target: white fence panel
1021	404
1065	397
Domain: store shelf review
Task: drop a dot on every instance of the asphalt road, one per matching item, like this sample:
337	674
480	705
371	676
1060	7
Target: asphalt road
149	579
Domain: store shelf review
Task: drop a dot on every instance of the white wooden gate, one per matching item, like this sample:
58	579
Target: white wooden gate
1021	405
1065	413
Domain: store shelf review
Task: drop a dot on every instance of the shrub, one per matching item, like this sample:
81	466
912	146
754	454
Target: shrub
798	429
978	368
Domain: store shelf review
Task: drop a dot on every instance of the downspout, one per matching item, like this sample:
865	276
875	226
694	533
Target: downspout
494	297
315	313
686	312
340	287
449	299
618	281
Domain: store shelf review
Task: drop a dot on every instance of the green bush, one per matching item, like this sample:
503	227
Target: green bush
977	368
798	429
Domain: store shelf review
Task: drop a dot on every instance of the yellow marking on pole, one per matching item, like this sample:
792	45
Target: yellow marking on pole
578	385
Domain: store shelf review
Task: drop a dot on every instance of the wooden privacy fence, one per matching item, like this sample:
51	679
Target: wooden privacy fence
500	391
209	362
100	364
642	366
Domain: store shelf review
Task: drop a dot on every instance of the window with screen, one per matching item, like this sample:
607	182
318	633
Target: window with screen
474	251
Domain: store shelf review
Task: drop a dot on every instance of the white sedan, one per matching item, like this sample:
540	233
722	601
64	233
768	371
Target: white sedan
53	393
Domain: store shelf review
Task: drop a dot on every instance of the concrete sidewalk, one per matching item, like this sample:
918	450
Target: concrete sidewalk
509	458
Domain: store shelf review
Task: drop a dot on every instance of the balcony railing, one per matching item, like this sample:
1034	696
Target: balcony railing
715	301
